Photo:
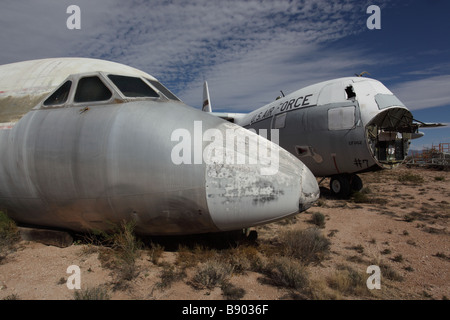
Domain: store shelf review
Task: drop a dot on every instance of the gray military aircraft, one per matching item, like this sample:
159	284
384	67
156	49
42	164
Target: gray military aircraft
88	143
338	128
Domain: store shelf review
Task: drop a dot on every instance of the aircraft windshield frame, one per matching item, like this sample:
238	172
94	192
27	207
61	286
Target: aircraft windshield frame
97	88
91	89
59	96
162	89
132	87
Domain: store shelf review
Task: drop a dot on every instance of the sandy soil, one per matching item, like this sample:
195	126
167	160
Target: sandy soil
403	226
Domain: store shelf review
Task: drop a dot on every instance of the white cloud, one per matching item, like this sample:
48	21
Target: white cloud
256	78
196	35
247	50
424	93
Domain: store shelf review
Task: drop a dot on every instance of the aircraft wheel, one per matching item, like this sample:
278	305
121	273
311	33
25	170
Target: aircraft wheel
252	236
356	183
340	186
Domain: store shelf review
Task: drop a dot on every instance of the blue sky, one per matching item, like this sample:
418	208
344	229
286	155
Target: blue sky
250	50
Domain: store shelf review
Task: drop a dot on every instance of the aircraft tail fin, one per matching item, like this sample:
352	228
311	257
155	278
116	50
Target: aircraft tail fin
206	100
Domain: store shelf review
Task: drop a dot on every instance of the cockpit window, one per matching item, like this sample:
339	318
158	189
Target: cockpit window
132	87
91	89
387	100
163	90
59	96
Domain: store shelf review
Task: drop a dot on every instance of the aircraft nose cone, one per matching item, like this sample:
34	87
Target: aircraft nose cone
271	185
309	189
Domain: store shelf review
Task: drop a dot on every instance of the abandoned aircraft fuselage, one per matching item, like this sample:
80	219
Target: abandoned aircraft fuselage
339	128
99	150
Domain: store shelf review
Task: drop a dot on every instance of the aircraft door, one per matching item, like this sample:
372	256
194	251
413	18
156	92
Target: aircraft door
342	118
347	145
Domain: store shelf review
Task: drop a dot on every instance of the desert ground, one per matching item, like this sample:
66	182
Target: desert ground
398	222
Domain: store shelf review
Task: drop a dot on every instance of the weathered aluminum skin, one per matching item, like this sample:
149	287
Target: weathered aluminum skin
89	166
80	171
239	195
319	129
24	84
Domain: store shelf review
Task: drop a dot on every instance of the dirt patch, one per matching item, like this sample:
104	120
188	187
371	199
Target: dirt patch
396	222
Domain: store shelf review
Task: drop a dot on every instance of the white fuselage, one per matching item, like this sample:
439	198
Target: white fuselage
86	151
341	126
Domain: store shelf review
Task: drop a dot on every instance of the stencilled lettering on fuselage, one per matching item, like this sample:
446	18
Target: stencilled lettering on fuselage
355	143
288	105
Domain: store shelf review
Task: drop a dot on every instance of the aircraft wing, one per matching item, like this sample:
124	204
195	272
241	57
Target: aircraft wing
428	124
419	124
232	117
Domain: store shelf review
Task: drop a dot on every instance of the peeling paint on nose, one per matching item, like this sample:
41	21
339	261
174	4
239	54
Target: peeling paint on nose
309	189
240	196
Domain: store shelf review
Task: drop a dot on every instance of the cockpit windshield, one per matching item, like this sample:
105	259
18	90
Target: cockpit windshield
60	95
91	89
133	87
100	88
163	90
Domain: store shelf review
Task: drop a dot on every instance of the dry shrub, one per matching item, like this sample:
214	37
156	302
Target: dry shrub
287	273
243	258
188	258
306	245
169	275
389	273
127	249
9	236
348	281
210	274
410	178
155	252
95	293
122	253
318	219
231	292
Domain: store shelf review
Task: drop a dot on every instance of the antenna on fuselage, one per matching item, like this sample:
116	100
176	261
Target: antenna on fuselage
361	74
282	95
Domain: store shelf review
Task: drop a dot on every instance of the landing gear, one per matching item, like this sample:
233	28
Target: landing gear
356	183
342	185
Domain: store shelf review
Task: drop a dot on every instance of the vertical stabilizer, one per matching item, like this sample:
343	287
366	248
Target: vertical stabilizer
206	101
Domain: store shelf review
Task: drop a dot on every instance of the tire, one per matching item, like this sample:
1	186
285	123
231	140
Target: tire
340	186
356	183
